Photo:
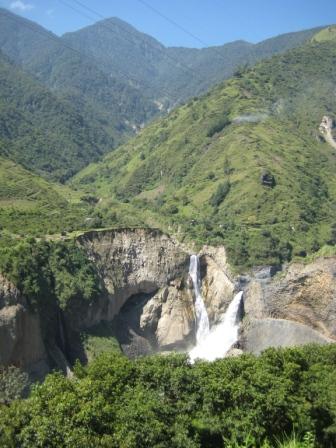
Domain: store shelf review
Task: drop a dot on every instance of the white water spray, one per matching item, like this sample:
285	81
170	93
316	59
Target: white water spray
213	344
202	320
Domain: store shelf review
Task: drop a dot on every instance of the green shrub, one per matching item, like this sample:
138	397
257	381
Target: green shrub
218	126
13	383
220	194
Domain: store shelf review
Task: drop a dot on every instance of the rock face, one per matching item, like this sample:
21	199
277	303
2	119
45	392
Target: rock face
170	315
303	293
148	297
131	262
217	284
264	333
137	262
21	342
326	129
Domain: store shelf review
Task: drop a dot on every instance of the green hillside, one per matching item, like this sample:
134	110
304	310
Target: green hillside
31	206
244	165
327	34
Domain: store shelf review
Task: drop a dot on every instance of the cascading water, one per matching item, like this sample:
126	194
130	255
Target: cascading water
213	344
202	319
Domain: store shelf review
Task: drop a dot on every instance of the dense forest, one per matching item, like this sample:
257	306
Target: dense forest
284	397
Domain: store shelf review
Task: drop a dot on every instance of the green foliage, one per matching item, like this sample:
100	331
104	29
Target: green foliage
164	401
50	274
100	339
218	126
220	194
13	383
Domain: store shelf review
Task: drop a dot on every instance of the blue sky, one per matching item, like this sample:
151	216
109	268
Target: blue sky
191	23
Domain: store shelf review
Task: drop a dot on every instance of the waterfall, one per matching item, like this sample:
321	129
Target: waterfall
222	337
202	320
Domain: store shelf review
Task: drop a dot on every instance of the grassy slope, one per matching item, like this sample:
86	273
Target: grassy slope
171	171
29	205
33	206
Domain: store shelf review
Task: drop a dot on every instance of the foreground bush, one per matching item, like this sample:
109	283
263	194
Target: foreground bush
166	402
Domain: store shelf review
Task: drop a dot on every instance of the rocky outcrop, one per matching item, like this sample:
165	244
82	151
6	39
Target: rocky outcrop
326	129
303	293
131	262
217	283
149	296
21	342
145	275
170	316
267	179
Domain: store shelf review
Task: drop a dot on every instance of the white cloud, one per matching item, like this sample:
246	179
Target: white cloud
21	6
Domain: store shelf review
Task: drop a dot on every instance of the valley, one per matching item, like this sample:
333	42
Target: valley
167	239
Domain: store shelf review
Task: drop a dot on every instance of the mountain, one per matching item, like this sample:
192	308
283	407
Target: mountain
96	87
43	131
116	105
170	74
121	75
244	166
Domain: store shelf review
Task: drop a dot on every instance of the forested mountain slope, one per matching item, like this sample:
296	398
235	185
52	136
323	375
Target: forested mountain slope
43	131
244	166
170	75
116	72
110	80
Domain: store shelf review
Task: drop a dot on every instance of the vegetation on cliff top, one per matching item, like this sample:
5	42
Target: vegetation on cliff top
51	276
164	401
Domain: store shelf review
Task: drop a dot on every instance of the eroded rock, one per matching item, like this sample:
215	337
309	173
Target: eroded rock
304	294
264	333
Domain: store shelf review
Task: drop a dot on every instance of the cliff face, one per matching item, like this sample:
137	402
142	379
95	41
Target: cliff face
150	263
134	262
21	342
147	297
303	294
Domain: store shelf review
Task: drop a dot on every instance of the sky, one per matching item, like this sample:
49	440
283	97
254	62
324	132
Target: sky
188	23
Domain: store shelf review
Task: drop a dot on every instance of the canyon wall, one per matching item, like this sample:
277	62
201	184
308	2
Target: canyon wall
148	298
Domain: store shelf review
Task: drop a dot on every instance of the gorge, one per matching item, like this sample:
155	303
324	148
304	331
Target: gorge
151	290
167	252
